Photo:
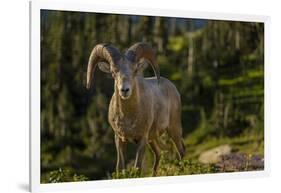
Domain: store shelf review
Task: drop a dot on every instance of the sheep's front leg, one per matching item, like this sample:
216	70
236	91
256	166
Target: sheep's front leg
120	165
140	153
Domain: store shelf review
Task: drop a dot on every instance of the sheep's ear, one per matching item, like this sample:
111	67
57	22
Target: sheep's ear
142	65
104	66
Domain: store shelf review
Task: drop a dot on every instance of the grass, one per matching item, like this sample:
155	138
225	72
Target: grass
63	175
169	168
247	144
244	143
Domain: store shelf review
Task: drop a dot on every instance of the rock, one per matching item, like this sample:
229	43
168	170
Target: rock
240	162
214	155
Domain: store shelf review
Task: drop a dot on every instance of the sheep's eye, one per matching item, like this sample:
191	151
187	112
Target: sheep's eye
113	74
135	72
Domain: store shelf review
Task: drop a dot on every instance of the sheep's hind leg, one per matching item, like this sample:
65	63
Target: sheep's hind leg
120	165
178	141
156	150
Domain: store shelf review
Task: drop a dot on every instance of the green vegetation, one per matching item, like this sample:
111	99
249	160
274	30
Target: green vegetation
217	66
63	175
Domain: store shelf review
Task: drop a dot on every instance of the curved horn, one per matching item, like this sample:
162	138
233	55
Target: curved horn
101	52
144	50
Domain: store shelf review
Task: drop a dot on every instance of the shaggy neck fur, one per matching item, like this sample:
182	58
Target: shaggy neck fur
128	107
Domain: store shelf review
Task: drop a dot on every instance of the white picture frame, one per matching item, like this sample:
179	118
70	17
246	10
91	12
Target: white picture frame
36	6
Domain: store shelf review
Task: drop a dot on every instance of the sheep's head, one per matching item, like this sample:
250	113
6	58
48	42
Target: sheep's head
123	68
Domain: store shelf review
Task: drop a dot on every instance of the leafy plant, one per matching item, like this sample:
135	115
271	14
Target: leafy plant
128	173
64	175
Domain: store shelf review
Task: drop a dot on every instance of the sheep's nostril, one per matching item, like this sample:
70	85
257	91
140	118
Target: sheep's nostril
125	90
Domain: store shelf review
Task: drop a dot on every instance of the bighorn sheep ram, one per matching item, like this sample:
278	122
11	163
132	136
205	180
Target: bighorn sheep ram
141	109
